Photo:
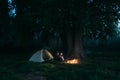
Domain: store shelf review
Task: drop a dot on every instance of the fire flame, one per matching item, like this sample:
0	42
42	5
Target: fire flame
73	61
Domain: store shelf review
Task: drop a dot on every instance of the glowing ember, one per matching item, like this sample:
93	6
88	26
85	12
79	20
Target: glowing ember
73	61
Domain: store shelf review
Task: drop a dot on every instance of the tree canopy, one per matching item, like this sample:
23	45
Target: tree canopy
96	18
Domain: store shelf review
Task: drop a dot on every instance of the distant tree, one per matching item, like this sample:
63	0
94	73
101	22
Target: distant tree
7	31
4	19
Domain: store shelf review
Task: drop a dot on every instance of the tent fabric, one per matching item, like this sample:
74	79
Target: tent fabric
41	56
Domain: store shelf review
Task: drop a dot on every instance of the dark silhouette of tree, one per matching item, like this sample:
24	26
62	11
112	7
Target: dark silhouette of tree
72	19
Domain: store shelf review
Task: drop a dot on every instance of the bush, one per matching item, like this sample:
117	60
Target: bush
7	75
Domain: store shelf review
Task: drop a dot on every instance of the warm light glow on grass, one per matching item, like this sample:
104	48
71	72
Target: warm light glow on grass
72	61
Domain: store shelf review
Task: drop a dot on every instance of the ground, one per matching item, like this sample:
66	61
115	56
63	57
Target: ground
98	66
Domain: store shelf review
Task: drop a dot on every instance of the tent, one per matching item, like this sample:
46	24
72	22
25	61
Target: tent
41	56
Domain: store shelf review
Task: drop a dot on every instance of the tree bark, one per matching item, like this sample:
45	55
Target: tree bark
74	43
78	46
69	41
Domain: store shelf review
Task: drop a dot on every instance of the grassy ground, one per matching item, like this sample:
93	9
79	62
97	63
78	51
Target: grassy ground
96	67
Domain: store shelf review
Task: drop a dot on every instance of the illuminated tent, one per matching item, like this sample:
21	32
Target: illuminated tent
41	56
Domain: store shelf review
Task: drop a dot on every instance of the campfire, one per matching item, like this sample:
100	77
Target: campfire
72	61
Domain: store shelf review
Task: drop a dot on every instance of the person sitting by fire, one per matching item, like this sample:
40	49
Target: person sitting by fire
60	57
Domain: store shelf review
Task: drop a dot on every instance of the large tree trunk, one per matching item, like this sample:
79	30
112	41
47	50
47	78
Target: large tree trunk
74	43
78	46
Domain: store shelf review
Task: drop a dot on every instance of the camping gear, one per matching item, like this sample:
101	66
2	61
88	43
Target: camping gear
41	56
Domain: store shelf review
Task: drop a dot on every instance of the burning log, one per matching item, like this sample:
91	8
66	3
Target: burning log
72	61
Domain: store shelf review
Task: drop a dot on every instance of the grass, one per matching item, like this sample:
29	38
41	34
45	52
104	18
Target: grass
98	66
